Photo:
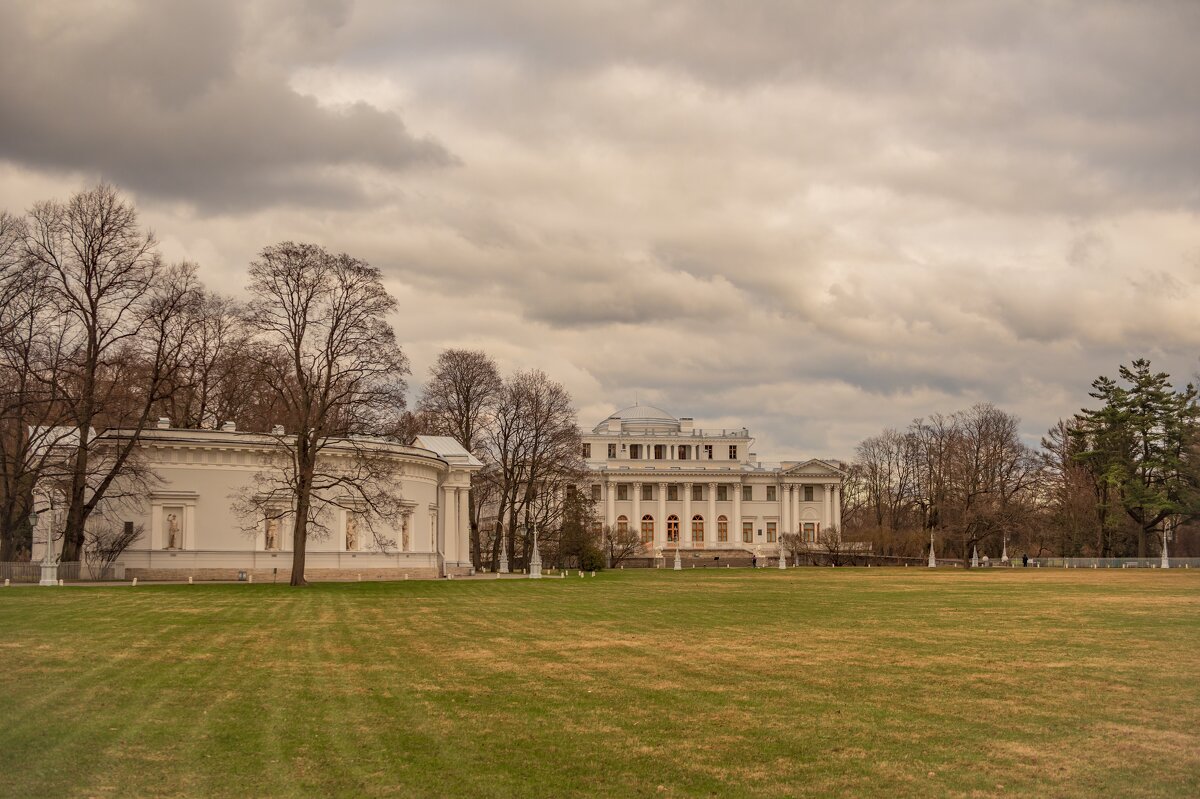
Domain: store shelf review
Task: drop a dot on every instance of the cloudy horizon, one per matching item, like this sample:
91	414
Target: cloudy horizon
815	221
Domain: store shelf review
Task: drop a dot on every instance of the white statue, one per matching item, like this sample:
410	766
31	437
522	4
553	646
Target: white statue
351	531
272	535
404	519
172	531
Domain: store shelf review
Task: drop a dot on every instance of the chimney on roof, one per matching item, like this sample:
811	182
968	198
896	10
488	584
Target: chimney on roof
685	424
754	458
614	424
163	423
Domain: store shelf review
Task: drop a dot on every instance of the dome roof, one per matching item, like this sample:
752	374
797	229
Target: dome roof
641	417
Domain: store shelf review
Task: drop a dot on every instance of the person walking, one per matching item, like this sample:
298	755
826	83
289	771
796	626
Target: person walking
1025	560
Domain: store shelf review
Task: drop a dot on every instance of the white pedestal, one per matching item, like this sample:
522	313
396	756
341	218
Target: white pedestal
49	574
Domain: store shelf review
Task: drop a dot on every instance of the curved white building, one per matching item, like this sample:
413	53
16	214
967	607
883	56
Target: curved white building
192	527
694	489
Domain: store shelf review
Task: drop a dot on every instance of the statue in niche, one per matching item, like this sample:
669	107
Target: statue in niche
272	534
404	531
172	531
351	531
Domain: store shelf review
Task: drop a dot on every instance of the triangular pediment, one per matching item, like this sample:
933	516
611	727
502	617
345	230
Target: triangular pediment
814	468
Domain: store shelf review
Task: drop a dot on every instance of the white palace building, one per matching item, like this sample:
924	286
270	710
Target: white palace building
692	489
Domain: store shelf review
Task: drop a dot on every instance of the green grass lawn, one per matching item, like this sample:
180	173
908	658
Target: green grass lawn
811	682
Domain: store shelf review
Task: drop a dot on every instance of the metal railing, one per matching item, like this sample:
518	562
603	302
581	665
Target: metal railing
1118	563
31	572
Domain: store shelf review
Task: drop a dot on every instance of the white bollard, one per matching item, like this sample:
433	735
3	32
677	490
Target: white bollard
593	574
249	578
7	582
135	582
406	575
360	578
189	579
60	583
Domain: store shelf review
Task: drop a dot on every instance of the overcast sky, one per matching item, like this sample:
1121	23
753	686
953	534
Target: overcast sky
814	219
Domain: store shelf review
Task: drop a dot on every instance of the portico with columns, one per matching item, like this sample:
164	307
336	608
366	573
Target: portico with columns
660	474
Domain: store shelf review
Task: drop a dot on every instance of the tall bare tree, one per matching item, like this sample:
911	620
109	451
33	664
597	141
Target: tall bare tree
336	372
120	318
458	401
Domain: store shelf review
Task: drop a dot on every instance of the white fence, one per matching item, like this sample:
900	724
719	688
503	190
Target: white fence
1119	563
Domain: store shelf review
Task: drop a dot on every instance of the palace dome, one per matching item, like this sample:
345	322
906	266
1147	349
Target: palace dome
641	417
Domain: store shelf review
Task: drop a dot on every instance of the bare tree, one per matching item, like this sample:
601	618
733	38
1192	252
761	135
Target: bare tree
120	318
458	401
106	542
331	360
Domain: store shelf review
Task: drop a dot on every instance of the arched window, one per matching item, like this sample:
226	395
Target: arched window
697	527
647	528
722	528
622	524
673	528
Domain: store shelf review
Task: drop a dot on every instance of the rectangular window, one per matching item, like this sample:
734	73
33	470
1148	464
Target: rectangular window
747	532
697	492
622	491
771	527
587	450
596	493
722	529
647	490
708	451
810	531
673	492
770	493
612	450
808	493
733	452
722	494
660	452
635	452
747	493
685	452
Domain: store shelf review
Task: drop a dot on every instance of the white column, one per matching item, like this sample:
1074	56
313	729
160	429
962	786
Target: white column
785	509
464	528
610	503
837	507
449	518
660	522
636	521
710	524
827	508
735	524
796	492
685	524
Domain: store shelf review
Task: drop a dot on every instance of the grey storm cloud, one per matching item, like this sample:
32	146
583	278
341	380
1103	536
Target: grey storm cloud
815	219
168	102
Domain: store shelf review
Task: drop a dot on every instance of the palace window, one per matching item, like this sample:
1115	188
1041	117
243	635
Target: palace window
673	528
596	493
708	451
722	528
685	452
770	493
733	452
612	450
747	493
647	528
673	492
647	490
697	492
697	528
622	524
808	493
635	452
660	452
747	532
771	528
587	450
810	531
722	493
622	491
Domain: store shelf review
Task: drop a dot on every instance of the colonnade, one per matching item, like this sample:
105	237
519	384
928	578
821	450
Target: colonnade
787	508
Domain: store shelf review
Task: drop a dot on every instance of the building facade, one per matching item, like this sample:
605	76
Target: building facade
681	487
192	525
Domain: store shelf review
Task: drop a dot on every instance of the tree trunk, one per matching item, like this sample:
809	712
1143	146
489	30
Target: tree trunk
300	528
476	555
